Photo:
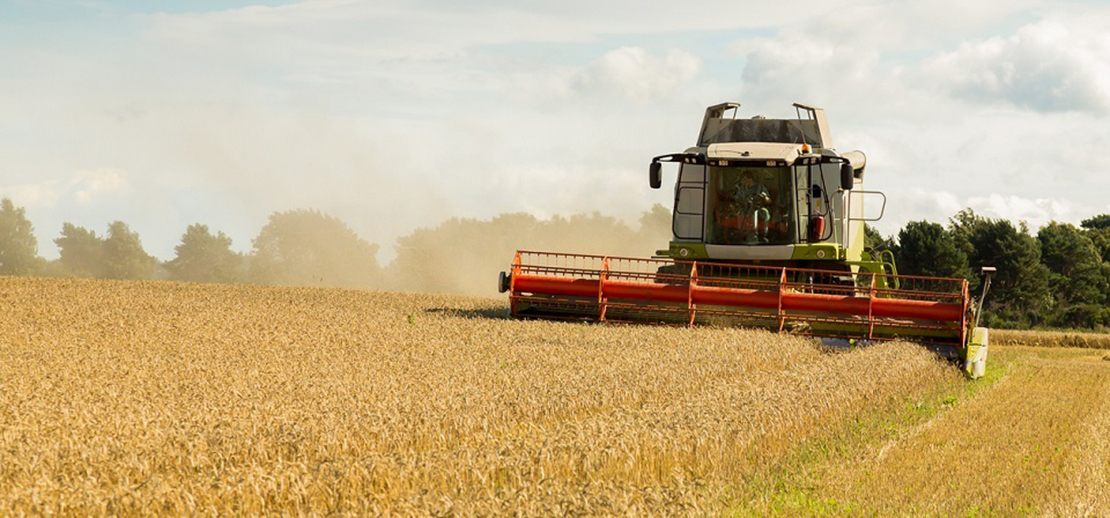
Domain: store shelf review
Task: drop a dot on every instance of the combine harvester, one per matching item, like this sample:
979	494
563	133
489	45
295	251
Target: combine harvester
768	229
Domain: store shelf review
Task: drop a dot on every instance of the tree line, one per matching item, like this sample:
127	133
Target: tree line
1058	277
298	247
310	248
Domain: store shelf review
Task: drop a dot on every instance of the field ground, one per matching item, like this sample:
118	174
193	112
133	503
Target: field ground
156	398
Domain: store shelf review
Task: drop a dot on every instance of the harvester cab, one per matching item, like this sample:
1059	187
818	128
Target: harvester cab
768	231
770	191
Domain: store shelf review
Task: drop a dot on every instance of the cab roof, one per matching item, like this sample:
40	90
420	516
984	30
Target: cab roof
781	154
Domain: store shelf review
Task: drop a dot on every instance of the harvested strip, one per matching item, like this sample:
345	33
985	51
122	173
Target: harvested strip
1006	451
1088	475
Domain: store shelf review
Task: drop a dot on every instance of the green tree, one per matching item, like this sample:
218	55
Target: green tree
1100	238
18	246
1097	229
963	227
203	257
1077	273
873	240
307	247
927	249
1100	222
81	251
124	257
1020	294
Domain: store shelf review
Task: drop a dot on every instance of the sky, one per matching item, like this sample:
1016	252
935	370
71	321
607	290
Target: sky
395	115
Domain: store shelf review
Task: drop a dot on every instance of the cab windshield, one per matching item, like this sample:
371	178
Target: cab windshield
750	206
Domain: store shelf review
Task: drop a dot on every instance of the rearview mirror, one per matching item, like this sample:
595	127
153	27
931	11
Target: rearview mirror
655	175
847	176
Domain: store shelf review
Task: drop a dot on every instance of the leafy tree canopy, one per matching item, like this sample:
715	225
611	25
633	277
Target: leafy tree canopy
1020	293
18	246
928	249
1100	222
1077	270
81	251
124	257
307	247
873	240
204	257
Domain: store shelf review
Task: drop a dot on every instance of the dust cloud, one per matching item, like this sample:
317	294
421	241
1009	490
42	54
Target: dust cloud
305	247
464	256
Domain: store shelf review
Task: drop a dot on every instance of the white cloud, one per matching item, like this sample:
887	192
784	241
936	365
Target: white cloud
403	29
90	183
636	74
1045	66
795	67
939	206
393	114
37	195
1037	212
915	204
913	26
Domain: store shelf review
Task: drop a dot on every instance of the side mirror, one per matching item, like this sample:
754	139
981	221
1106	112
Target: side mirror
655	175
847	176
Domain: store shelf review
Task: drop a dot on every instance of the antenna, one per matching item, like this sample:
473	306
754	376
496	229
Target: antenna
988	272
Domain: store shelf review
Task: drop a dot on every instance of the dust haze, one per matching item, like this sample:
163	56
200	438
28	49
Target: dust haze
464	256
306	247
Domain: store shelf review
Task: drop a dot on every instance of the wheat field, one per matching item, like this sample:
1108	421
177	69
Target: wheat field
140	398
1087	340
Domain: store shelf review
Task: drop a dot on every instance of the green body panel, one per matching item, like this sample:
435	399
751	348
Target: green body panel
819	252
694	251
884	268
836	257
855	248
975	355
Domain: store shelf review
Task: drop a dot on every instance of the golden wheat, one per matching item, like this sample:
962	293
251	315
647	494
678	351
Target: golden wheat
1050	338
152	398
